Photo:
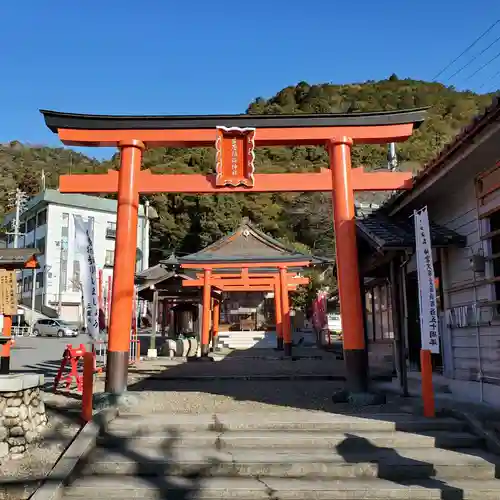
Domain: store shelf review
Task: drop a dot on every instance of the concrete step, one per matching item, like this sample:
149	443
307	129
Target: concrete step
285	420
125	488
401	464
245	343
291	440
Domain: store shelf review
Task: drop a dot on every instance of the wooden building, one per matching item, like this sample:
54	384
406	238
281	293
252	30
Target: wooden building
461	188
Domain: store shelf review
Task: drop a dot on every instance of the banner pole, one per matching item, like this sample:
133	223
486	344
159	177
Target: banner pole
427	386
427	307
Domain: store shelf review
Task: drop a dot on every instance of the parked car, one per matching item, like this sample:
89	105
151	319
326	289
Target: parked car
55	328
335	323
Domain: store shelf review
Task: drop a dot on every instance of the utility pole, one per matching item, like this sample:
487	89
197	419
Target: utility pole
17	200
392	158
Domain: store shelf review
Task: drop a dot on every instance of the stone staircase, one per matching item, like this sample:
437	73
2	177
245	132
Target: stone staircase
290	454
259	339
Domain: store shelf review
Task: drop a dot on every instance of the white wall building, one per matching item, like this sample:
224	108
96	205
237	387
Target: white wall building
47	224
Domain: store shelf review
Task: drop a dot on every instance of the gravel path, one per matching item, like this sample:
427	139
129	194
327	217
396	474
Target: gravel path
156	390
21	477
223	396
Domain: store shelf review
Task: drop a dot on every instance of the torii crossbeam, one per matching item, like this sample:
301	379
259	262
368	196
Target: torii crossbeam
235	138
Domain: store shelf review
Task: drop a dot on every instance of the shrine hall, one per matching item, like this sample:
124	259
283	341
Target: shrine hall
243	281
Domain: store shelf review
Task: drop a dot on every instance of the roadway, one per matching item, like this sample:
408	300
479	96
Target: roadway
43	354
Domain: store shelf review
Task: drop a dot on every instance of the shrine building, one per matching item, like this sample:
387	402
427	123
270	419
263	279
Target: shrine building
244	268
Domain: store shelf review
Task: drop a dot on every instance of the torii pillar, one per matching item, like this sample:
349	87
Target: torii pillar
124	266
278	314
355	354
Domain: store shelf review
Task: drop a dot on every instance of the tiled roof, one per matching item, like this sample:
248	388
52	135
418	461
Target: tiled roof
156	274
13	256
247	244
478	124
49	196
393	233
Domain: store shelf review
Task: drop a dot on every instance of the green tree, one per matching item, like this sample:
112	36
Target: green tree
186	223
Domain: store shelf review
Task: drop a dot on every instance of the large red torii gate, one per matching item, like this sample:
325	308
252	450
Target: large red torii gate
235	137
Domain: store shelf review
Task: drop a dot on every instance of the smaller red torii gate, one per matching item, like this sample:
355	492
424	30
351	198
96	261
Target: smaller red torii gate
279	281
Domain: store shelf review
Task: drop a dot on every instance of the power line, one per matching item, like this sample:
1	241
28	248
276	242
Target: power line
480	37
489	79
482	67
473	59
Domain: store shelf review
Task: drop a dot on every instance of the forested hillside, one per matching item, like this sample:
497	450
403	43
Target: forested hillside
187	223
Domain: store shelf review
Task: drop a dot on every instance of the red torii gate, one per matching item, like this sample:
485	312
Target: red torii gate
281	282
235	137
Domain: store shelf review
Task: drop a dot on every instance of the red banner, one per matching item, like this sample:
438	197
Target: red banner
319	317
235	156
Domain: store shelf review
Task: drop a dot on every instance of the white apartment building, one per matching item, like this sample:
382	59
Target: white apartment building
47	224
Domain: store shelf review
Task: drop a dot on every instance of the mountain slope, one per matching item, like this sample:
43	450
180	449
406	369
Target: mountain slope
187	223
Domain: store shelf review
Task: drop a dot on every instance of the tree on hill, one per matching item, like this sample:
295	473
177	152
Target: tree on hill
188	222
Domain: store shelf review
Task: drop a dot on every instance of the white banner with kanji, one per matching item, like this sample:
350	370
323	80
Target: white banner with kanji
84	250
426	283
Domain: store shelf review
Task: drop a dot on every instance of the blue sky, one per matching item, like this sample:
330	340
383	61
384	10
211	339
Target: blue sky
201	56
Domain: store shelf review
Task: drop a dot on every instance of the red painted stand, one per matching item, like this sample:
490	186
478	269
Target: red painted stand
71	357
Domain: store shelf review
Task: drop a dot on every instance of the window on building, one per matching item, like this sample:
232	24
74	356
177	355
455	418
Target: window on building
40	245
19	286
63	282
39	280
369	314
384	320
379	321
110	258
41	218
377	316
27	283
30	244
91	223
22	227
31	224
76	275
111	230
389	333
65	225
495	251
